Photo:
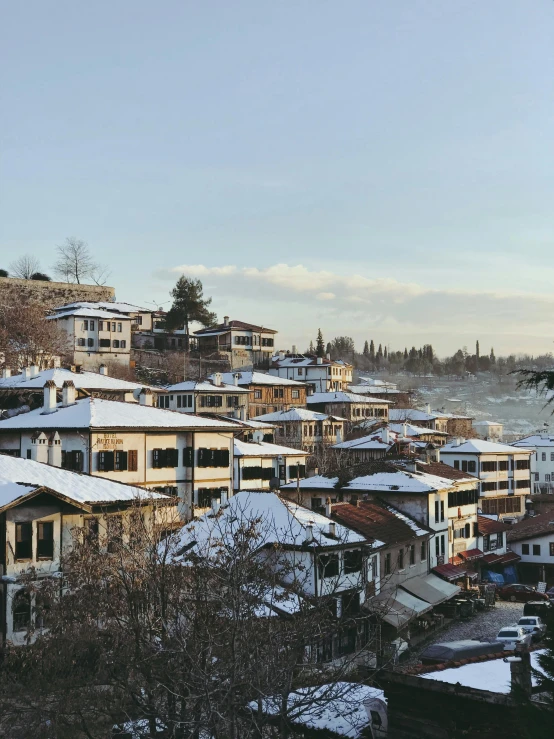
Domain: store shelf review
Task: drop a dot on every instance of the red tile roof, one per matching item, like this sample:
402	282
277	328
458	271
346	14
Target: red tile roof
444	470
374	521
452	572
532	526
470	554
490	526
501	559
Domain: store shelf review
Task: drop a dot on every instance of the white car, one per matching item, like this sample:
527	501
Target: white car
533	625
513	636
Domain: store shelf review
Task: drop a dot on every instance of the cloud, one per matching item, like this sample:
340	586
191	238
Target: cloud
326	296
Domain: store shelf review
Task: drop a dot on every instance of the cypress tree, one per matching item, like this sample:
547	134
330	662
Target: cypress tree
320	346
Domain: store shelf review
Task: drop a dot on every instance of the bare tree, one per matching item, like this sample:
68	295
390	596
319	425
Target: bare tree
27	337
75	263
25	267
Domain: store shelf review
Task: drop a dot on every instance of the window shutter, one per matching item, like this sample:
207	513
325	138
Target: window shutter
132	460
203	456
188	456
221	458
172	457
121	460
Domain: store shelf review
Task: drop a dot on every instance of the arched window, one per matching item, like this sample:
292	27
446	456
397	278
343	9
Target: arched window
21	611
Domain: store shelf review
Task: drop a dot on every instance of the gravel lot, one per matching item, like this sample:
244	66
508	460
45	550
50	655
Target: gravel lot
485	625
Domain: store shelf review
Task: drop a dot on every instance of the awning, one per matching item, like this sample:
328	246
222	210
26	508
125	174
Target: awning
453	572
397	607
470	554
501	559
430	588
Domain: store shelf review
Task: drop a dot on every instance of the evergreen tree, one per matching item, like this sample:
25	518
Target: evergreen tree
385	353
477	350
311	350
372	351
366	349
189	304
320	346
405	352
492	357
329	348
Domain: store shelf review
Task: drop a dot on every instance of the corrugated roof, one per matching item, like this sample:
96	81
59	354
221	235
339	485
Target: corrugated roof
528	528
238	325
377	521
490	526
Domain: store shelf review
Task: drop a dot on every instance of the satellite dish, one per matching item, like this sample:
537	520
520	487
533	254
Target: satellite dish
258	436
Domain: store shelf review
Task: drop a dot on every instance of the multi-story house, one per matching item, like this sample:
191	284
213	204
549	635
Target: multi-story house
257	464
96	337
142	319
186	455
408	431
39	508
542	460
315	558
321	373
305	429
532	539
206	396
27	386
355	408
504	473
268	394
489	430
441	498
243	343
424	419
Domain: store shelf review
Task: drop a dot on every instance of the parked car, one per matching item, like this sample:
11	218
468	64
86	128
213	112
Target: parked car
513	636
550	593
540	608
521	593
447	651
533	625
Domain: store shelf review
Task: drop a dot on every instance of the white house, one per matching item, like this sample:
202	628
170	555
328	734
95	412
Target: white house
305	429
354	408
39	508
321	373
533	540
504	473
96	337
185	455
490	430
207	396
257	463
542	460
141	318
244	343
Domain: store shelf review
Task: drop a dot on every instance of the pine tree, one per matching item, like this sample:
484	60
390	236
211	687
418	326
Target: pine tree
385	353
311	350
320	346
372	351
477	349
366	349
405	352
189	305
492	357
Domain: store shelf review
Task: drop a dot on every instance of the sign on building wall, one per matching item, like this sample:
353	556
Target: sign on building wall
108	441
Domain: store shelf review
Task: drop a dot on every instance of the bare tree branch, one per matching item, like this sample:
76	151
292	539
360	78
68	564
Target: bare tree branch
75	263
25	267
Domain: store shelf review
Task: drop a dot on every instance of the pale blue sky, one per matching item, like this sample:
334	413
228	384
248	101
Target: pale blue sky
381	168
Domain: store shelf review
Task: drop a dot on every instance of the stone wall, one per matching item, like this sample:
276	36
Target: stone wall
51	294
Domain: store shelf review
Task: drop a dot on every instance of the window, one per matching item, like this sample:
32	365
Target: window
21	611
132	460
91	531
211	401
115	343
442	511
121	459
543	456
328	565
207	495
81	342
300	371
297	470
353	561
119	327
523	464
485	486
257	394
552	456
72	460
504	485
295	394
23	540
442	545
114	529
522	484
388	563
488	466
163	401
106	461
123	344
100	325
456	464
85	325
90	342
536	550
162	458
232	401
547	478
104	342
525	548
502	505
551	548
503	465
412	554
462	497
437	511
45	540
400	559
423	551
437	546
213	457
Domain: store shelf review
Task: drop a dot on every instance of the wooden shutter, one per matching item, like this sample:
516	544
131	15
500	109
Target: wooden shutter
121	460
171	458
132	460
188	456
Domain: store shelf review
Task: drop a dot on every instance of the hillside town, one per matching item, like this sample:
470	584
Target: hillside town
373	528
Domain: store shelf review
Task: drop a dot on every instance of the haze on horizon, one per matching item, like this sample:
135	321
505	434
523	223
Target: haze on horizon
377	169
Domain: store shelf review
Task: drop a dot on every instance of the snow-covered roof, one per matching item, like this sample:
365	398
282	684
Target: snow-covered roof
100	413
492	675
400	481
316	482
299	360
486	423
411	522
81	380
340	396
341	708
18	477
372	441
296	414
264	449
478	446
411	414
204	386
535	440
373	390
257	378
88	313
248	424
116	306
412	430
277	521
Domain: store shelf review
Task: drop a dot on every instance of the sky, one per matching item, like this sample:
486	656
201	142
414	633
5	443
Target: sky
381	170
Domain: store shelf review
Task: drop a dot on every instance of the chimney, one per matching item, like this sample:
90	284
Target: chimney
146	397
55	450
6	373
215	505
68	393
520	672
332	529
319	360
404	430
217	379
437	455
428	408
328	507
460	440
386	435
26	373
103	369
223	497
309	534
49	405
281	355
225	320
33	370
236	377
329	357
39	448
293	349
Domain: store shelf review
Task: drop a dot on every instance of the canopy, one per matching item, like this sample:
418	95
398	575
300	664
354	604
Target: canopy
431	589
397	607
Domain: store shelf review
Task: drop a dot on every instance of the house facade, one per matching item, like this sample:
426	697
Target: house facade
243	343
96	337
490	430
542	460
187	456
304	429
267	393
321	374
533	540
41	507
354	408
257	464
504	473
207	396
